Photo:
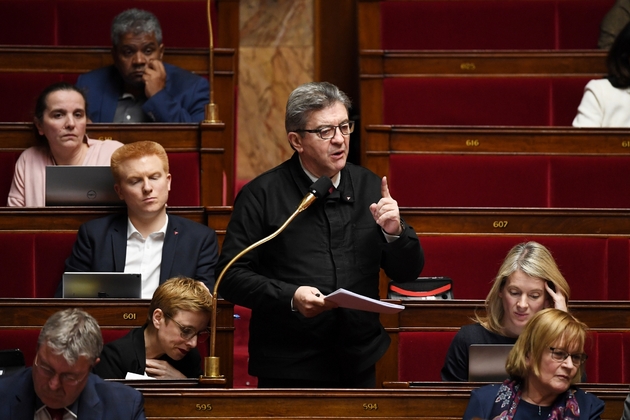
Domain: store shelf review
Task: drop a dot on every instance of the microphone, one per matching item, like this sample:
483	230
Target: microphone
319	189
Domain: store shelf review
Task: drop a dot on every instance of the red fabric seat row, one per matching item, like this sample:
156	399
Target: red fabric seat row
491	24
184	168
421	356
548	181
73	23
509	101
596	268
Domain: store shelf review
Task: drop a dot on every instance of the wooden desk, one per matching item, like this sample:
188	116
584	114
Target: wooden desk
418	403
382	141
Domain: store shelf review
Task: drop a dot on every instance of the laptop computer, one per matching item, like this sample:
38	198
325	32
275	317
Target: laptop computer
80	186
101	285
486	362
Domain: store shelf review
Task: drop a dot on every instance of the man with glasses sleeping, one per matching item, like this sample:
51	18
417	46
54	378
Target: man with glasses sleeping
60	385
165	347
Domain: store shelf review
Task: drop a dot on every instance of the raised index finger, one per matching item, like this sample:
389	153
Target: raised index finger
385	188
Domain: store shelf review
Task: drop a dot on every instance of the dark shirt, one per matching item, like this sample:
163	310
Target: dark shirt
335	243
128	354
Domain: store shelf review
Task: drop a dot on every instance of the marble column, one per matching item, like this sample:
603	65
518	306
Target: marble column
275	56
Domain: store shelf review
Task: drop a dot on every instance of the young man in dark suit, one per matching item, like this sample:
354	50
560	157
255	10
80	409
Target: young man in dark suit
146	239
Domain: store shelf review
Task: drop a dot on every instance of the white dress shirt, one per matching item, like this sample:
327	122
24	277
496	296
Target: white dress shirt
144	255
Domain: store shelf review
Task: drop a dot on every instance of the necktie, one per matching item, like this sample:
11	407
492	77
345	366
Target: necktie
56	413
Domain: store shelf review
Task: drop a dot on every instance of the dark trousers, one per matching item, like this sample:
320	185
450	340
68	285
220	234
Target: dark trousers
365	379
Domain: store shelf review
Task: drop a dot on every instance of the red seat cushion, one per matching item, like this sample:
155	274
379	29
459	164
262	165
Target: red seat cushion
578	22
590	181
467	101
468	180
185	183
27	22
482	24
421	355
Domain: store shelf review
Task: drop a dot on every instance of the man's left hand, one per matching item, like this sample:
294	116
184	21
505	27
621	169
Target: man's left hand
385	212
154	77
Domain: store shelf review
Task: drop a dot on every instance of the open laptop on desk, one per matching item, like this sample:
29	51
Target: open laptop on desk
486	362
80	186
101	285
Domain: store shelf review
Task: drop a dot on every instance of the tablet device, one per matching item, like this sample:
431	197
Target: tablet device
486	362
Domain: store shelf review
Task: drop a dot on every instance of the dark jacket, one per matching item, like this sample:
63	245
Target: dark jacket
335	243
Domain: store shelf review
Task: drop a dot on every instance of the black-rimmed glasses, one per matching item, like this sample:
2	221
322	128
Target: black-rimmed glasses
187	333
66	378
329	131
561	355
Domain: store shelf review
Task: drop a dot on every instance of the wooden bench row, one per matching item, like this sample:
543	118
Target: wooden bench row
419	402
194	150
422	332
22	319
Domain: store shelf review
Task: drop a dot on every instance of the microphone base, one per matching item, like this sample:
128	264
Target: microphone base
211	367
212	113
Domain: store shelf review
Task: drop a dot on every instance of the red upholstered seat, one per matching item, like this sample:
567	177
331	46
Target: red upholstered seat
7	168
242	379
51	251
20	91
518	101
590	181
595	268
608	355
421	355
184	23
18	254
482	24
578	22
27	22
468	180
521	101
186	183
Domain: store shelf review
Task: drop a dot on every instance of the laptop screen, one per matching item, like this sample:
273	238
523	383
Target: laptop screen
80	186
101	285
486	362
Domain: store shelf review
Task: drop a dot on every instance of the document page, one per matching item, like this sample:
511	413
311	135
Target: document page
347	299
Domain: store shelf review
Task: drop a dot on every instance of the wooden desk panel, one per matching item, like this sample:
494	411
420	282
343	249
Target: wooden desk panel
417	402
382	141
422	63
514	221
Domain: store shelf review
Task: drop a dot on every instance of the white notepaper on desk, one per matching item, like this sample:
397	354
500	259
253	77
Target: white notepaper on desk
347	299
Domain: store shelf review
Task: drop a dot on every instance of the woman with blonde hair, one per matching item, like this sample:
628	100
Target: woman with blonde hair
528	281
165	347
544	366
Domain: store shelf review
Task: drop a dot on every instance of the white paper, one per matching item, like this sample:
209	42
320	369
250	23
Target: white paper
131	375
347	299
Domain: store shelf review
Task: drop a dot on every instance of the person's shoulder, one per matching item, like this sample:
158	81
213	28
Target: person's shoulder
599	84
112	389
179	73
98	73
34	153
179	221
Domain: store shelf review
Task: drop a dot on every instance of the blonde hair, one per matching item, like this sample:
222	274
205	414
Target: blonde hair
532	259
136	150
547	327
180	294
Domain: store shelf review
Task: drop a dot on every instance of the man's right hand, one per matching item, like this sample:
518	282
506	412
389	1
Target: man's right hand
309	301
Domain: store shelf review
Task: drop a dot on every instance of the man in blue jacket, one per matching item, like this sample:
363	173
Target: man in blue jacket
139	87
61	381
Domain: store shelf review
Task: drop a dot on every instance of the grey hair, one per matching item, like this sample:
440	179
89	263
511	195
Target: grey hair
311	97
137	22
72	333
